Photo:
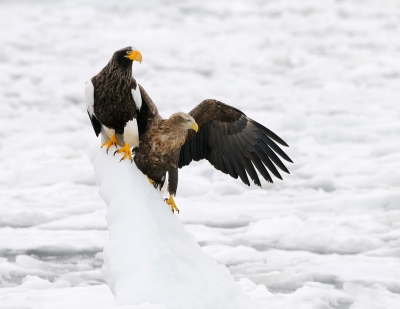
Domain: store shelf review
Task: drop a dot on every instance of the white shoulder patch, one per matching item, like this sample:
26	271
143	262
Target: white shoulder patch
137	97
89	97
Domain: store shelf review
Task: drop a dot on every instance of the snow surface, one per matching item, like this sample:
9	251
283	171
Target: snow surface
149	255
323	75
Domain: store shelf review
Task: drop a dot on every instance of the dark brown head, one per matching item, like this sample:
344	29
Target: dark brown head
125	56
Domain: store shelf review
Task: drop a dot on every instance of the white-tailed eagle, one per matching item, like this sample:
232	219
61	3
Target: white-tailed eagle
232	142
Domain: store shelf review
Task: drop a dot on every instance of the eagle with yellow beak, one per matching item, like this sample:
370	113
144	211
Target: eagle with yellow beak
232	142
115	102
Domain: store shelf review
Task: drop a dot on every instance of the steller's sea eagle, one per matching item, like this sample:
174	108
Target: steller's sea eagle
117	105
232	142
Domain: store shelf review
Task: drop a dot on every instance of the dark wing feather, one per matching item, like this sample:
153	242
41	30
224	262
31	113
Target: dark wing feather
95	123
246	161
233	143
148	112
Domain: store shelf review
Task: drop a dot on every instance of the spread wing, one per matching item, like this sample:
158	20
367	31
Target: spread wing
89	99
233	143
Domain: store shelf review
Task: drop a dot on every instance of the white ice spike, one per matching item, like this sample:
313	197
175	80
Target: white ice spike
150	257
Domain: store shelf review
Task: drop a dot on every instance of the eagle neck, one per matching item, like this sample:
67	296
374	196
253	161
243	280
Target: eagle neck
167	137
119	71
113	82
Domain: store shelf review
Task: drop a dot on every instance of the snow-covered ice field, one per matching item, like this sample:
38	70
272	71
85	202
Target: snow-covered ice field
323	75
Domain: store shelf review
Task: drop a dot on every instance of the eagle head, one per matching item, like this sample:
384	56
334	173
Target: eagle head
125	56
184	121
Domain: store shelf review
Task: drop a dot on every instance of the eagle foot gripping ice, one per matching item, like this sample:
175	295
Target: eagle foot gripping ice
111	142
126	150
170	201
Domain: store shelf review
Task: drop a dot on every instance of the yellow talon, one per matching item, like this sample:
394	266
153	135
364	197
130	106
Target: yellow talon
112	141
126	150
171	203
151	180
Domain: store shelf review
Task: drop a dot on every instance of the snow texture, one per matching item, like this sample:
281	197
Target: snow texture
324	75
149	255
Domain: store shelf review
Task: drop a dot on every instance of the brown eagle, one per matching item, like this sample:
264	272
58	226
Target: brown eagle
232	142
116	103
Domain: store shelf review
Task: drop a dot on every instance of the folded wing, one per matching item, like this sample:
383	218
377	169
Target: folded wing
147	113
89	99
233	143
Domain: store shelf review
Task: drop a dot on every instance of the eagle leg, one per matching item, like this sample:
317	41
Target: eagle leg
150	180
171	203
112	141
127	152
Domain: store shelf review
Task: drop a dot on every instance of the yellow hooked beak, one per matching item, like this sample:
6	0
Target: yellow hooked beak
194	126
135	55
